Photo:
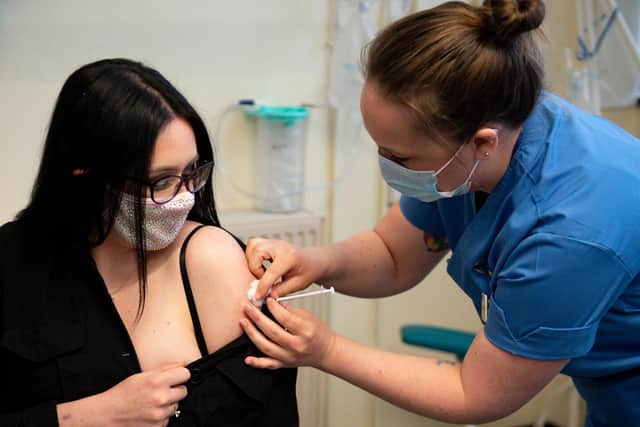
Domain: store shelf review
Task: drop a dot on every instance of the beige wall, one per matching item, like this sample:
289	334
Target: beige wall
628	118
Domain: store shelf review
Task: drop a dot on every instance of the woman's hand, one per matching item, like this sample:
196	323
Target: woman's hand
294	266
302	340
147	399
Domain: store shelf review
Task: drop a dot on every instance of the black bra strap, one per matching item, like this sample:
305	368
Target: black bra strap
197	328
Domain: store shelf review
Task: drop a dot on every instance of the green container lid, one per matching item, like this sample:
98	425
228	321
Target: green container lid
287	115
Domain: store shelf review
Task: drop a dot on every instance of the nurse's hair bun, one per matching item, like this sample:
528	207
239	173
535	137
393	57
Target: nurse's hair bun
506	19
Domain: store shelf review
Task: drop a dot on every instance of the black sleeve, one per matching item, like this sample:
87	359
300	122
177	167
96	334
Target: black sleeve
43	415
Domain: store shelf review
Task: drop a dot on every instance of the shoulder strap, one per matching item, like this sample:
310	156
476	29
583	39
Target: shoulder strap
197	328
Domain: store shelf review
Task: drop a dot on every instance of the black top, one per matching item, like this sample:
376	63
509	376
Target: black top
61	339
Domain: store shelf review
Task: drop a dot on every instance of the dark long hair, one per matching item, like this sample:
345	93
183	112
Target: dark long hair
103	129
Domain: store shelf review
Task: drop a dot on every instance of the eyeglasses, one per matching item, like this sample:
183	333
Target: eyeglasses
163	189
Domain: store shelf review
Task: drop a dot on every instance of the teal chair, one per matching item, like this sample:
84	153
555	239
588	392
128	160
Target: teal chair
438	338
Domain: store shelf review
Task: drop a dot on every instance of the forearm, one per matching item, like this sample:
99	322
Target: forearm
426	386
491	383
359	266
385	261
82	413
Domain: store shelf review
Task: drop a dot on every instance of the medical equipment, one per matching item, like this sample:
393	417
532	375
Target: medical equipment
279	155
605	70
251	293
279	165
292	199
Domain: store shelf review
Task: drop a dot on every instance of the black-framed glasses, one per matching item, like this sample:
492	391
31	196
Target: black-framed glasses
163	189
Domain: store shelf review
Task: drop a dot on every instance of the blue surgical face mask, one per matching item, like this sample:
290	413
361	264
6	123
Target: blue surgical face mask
421	185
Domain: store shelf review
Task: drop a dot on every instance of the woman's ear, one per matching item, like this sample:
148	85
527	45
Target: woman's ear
486	142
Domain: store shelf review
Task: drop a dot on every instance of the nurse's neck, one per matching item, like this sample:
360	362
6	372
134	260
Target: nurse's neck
494	148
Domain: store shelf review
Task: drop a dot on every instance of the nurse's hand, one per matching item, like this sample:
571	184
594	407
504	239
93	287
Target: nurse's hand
302	340
293	265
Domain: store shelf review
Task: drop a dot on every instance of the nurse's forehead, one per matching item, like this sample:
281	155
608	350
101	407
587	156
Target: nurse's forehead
389	123
384	112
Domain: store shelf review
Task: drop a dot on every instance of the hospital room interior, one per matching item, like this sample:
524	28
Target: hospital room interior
277	83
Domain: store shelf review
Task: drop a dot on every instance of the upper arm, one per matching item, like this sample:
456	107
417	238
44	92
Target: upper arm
411	248
220	280
496	383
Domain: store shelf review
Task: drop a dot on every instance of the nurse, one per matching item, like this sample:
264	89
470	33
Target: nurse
538	201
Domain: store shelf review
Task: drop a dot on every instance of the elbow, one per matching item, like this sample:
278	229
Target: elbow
483	418
485	412
466	417
465	410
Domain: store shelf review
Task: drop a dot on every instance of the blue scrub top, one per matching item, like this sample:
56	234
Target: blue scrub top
556	247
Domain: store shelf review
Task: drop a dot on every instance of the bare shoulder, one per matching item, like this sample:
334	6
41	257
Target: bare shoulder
215	253
220	279
212	241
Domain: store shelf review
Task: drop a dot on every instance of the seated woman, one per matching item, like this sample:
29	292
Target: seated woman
120	294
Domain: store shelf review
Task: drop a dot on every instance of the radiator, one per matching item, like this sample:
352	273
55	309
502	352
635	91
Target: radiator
301	229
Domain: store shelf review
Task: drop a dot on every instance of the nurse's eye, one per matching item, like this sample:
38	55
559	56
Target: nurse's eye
399	160
396	159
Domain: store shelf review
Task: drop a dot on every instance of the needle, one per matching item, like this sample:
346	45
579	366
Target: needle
306	294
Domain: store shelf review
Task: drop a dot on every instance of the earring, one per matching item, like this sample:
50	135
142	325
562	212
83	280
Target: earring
486	154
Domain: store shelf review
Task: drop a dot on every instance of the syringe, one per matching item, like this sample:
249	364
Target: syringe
254	285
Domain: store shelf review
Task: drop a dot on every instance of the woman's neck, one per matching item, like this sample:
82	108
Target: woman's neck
117	264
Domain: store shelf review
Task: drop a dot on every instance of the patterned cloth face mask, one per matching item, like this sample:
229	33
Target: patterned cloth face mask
162	223
421	185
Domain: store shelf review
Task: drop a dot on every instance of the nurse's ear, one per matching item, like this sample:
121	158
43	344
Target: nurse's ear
486	142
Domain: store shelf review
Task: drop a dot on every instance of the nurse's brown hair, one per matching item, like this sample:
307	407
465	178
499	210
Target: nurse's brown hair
457	67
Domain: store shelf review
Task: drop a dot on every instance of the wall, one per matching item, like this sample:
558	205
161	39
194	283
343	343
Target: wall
215	52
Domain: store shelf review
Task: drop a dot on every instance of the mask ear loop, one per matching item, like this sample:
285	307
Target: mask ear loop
475	165
473	169
449	161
